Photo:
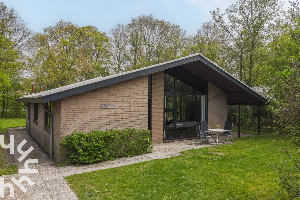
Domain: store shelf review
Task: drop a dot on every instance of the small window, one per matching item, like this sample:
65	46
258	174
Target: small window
48	106
36	113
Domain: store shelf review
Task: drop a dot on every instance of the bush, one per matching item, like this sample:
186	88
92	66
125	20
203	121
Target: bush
99	146
289	176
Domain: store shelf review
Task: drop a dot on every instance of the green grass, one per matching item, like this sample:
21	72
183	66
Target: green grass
6	167
6	123
242	170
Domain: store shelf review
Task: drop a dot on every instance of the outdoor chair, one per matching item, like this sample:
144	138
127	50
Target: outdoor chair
228	126
202	132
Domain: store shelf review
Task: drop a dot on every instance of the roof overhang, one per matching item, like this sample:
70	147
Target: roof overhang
195	64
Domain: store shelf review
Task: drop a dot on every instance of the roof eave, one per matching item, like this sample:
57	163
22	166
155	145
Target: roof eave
31	100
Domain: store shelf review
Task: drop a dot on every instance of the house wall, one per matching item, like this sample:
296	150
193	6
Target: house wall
37	130
83	112
217	107
56	110
157	107
42	134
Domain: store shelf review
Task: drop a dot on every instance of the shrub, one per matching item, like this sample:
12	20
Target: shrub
99	146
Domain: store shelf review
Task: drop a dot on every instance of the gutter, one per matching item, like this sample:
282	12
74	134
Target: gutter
51	131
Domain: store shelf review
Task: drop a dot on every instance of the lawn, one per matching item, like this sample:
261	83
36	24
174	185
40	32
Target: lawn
6	167
242	170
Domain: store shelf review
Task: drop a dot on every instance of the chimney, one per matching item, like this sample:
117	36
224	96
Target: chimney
41	88
32	86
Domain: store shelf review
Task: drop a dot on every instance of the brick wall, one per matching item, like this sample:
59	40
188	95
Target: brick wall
37	129
158	107
83	112
217	107
56	130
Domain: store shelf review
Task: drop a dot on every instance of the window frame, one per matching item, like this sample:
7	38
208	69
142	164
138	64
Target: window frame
35	113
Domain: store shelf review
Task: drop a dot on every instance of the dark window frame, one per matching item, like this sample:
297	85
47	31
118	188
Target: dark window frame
47	116
35	113
195	86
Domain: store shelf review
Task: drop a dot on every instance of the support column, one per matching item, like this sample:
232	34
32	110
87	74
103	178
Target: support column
239	126
150	103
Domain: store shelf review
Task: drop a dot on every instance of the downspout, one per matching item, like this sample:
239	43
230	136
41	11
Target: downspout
28	107
51	131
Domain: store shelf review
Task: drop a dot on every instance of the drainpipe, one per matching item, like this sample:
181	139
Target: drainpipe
32	87
28	107
51	131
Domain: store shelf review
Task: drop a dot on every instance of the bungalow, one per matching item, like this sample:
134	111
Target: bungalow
166	98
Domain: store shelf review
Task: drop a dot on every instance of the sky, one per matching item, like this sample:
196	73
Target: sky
106	14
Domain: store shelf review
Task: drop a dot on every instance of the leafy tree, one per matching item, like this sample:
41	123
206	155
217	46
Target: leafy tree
209	41
145	41
14	28
9	74
247	26
285	91
14	35
66	53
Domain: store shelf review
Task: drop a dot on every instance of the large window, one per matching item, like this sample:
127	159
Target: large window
185	103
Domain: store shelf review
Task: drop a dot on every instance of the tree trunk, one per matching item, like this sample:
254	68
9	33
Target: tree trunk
3	108
251	62
241	65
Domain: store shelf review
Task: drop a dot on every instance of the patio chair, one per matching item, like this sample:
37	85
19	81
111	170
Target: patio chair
202	132
228	126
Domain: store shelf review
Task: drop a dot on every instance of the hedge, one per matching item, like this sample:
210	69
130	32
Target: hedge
99	146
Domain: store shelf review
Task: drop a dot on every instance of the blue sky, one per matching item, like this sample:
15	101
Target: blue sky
105	15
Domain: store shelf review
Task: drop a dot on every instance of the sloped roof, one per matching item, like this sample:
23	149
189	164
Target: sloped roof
196	64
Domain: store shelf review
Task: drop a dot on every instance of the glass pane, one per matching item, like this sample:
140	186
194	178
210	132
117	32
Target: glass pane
169	101
189	108
169	83
183	88
169	133
185	132
169	119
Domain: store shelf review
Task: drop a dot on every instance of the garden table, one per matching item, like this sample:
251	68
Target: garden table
218	132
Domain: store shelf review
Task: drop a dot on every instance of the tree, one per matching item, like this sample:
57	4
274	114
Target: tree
66	53
209	41
14	35
247	25
9	74
285	90
14	28
145	41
